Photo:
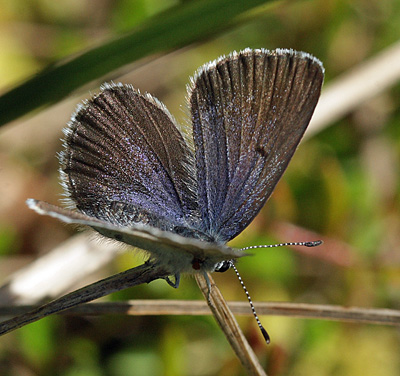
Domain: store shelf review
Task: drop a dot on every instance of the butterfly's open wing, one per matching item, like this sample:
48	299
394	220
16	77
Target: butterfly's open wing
126	162
249	112
175	252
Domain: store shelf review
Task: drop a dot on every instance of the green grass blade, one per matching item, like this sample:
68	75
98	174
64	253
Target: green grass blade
179	26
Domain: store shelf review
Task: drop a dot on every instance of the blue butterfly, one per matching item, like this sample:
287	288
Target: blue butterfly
181	193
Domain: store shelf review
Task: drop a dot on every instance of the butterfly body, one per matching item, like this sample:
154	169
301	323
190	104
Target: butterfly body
133	174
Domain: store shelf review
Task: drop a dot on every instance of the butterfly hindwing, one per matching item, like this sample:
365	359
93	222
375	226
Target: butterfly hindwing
177	253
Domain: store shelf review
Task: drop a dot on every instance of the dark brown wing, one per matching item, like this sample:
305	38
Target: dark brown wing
126	162
249	113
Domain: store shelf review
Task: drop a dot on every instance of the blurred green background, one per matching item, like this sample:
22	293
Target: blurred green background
342	184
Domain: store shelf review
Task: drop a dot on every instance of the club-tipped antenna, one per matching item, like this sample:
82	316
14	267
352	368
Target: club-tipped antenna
263	331
303	244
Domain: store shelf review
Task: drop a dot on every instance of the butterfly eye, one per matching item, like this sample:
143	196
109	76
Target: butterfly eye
223	266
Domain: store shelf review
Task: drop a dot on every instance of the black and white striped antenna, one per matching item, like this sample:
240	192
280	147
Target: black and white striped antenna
305	244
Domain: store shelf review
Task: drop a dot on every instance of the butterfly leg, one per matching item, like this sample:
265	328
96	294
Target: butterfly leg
174	284
208	285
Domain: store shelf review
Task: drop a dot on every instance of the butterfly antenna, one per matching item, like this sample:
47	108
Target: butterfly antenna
263	331
303	244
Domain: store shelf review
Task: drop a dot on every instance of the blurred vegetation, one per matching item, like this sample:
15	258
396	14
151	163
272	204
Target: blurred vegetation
343	184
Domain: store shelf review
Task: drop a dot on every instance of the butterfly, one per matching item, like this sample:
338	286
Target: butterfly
180	193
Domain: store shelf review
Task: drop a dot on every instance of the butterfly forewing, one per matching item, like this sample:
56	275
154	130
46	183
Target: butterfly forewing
249	112
126	162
